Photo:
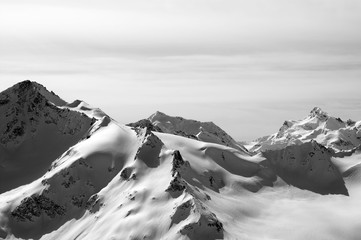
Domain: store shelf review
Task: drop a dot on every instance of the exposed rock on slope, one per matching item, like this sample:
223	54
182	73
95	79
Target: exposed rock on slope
131	175
301	152
341	136
142	181
202	131
34	131
145	123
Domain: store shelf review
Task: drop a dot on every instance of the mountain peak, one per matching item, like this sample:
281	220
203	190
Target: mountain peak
26	107
27	86
203	131
158	114
26	90
331	132
319	113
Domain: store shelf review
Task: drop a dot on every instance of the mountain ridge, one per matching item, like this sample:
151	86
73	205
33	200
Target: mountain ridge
167	177
334	133
29	121
202	131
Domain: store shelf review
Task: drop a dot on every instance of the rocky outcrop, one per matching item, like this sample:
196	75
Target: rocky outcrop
197	221
177	184
35	206
145	123
319	113
177	162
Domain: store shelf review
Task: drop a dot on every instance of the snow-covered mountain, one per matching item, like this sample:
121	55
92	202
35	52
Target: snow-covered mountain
316	147
202	131
333	133
147	185
161	178
35	128
137	182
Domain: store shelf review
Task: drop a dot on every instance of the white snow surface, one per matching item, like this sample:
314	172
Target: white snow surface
83	107
120	182
331	132
113	185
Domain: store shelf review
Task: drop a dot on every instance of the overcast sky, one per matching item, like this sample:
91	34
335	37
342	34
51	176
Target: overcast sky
246	65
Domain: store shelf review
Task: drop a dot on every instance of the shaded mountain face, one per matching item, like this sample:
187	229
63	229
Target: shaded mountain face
82	175
342	137
35	129
302	152
202	131
307	166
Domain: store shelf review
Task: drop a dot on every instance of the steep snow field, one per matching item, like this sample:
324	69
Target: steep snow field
85	176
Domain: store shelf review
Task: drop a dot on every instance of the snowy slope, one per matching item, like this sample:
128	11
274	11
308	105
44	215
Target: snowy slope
124	183
333	133
202	131
144	181
147	185
83	107
34	130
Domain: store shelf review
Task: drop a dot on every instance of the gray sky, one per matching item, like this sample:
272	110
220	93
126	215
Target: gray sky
245	65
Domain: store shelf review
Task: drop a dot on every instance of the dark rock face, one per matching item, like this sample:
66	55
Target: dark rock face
207	227
350	122
3	234
176	185
93	204
321	115
145	123
31	121
215	223
178	162
35	206
126	174
183	134
24	108
307	166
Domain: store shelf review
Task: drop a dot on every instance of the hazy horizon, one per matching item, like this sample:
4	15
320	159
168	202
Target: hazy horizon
245	65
